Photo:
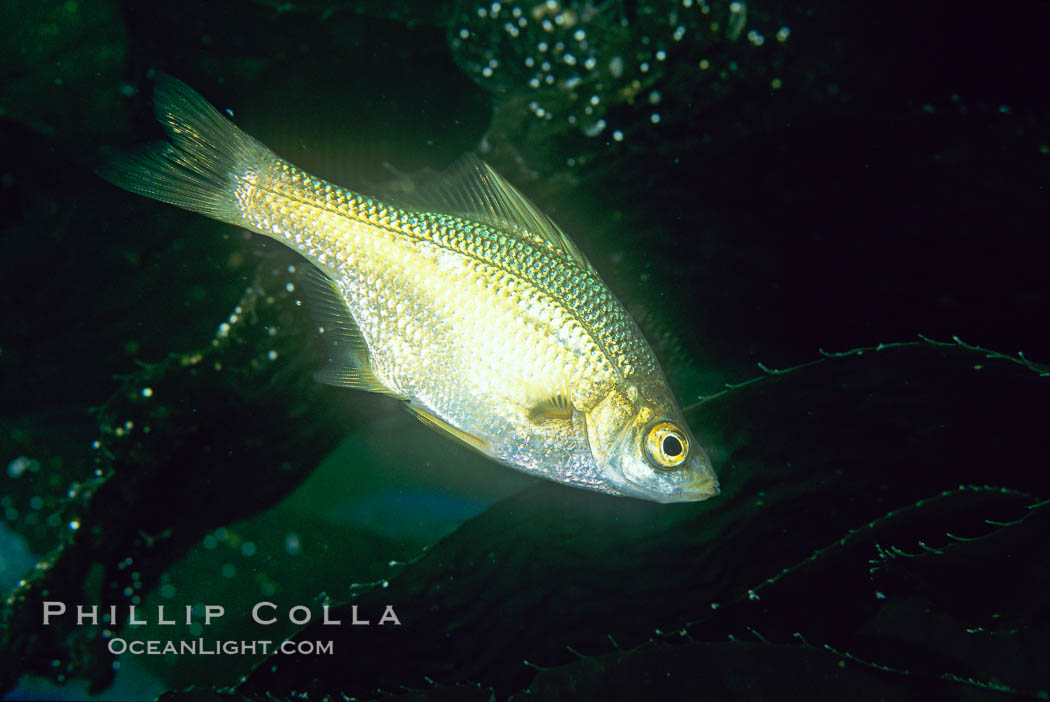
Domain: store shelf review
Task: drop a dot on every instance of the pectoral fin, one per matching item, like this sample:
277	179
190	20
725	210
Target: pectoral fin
553	407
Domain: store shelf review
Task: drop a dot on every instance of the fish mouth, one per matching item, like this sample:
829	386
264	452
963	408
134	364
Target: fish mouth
696	491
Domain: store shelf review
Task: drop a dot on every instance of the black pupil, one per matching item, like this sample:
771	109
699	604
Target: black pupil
672	446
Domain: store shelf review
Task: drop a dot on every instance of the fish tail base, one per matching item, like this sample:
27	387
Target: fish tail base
203	164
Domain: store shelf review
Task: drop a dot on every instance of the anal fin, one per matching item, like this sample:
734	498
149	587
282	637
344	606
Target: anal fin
349	361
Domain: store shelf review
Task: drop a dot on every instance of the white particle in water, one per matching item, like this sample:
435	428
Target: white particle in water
655	118
737	20
782	34
595	128
464	33
616	66
20	465
147	392
290	287
617	135
661	55
579	35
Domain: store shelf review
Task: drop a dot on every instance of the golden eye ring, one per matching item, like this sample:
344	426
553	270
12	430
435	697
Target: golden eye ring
666	446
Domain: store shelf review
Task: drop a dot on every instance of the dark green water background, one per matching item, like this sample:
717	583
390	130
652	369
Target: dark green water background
877	172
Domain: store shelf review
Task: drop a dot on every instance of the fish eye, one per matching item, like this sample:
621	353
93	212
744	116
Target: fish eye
666	446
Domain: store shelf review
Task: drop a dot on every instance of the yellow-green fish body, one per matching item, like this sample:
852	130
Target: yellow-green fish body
483	317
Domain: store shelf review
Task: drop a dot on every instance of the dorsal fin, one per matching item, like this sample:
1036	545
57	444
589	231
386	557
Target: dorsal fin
472	189
349	361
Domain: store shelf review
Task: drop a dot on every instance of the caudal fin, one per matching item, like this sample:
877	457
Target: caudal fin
202	166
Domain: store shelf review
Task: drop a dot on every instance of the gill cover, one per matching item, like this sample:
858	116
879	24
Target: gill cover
606	425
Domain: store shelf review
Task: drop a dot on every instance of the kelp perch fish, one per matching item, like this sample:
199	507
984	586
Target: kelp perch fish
475	309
